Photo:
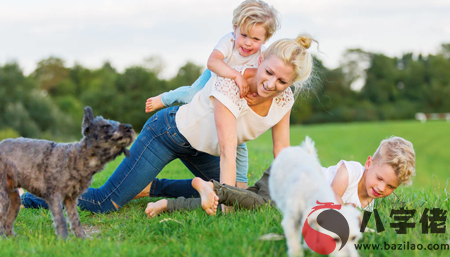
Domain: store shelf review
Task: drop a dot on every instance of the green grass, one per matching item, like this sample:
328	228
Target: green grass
129	233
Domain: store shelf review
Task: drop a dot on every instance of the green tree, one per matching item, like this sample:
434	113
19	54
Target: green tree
382	77
49	73
186	75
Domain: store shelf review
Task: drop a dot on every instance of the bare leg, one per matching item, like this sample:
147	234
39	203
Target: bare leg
13	210
154	209
72	214
20	191
145	192
153	104
209	198
59	220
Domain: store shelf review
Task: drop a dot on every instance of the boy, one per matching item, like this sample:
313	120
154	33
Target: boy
392	165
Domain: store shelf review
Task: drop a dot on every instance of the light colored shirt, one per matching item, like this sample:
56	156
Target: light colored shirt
355	172
196	122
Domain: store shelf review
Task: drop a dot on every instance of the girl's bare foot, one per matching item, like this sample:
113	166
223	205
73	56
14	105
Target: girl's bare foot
153	104
209	198
154	209
145	192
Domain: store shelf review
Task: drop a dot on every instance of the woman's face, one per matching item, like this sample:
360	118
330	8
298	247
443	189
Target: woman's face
273	77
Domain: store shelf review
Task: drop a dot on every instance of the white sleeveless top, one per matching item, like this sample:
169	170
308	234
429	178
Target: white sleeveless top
355	172
196	123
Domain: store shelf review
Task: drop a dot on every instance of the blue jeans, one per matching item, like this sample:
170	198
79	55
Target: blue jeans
241	163
184	95
159	143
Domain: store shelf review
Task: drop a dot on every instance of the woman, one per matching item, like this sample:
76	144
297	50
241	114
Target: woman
204	134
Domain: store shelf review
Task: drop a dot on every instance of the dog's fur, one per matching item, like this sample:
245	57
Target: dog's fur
295	184
58	172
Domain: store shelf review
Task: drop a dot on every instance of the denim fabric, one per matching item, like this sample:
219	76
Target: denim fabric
32	201
159	143
241	163
184	95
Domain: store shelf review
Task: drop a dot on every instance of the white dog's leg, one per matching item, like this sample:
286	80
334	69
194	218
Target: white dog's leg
291	228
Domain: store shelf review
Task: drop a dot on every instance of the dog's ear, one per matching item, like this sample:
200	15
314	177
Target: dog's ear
87	120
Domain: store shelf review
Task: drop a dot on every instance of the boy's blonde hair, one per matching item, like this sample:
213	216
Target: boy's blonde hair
256	12
399	153
294	52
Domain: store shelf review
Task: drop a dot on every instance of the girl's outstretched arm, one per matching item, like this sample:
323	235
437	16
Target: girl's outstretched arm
218	66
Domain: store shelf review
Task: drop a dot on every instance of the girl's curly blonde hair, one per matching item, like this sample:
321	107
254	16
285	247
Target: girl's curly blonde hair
255	12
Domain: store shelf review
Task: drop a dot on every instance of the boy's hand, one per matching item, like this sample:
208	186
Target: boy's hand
241	82
253	99
226	209
351	204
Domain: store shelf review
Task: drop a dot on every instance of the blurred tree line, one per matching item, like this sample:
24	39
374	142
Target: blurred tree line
49	102
392	88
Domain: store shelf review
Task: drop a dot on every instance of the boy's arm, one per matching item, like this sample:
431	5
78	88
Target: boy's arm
340	183
218	66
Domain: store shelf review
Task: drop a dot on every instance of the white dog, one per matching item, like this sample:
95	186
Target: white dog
296	184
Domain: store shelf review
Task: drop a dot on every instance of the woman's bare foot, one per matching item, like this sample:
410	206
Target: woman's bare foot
145	192
154	209
21	192
153	104
209	198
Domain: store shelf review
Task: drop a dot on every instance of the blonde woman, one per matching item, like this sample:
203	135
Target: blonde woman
204	133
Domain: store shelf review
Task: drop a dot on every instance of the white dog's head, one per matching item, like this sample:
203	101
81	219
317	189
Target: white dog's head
343	226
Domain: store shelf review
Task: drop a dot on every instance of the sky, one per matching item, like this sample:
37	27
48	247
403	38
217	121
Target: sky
125	33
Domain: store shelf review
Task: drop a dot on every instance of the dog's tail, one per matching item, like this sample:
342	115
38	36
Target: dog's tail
308	146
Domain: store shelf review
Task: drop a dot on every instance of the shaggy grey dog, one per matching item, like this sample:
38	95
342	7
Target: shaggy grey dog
57	172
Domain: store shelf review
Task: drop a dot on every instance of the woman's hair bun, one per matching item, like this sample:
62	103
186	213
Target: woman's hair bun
304	40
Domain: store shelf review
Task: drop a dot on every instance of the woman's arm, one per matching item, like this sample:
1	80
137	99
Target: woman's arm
280	135
227	135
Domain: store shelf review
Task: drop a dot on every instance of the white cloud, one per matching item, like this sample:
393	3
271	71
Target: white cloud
125	32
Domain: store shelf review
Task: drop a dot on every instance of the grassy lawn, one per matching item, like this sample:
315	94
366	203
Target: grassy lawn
129	232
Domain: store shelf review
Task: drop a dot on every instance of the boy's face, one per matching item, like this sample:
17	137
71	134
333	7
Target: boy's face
249	43
381	179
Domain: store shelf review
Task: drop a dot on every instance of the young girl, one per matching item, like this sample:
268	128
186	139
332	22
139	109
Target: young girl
392	165
254	22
